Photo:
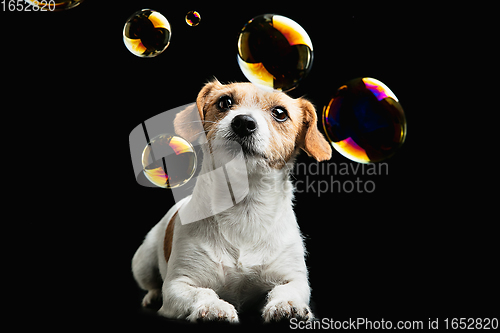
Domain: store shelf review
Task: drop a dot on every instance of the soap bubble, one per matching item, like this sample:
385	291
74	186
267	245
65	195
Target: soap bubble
193	18
146	33
169	161
54	5
274	52
364	121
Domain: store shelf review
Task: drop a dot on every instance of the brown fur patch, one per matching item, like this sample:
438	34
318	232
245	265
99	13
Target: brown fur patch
314	143
169	235
283	134
188	123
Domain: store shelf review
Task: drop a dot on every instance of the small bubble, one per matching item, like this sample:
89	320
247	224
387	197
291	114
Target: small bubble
274	52
146	33
193	18
364	121
169	161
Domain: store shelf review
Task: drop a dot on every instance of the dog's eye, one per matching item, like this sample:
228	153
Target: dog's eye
279	113
225	103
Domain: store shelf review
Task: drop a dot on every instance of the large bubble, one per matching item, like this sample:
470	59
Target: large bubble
146	33
364	121
274	52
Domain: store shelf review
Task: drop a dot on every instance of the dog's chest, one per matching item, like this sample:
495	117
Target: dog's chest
243	275
243	261
251	236
249	268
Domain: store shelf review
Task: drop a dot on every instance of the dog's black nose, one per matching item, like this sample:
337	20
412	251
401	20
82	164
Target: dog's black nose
243	125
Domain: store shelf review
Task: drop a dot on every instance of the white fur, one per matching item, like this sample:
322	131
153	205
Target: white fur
218	263
262	136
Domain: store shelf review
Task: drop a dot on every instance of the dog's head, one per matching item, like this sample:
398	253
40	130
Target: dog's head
270	127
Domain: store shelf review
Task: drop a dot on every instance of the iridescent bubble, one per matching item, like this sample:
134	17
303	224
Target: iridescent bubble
146	33
54	5
193	18
274	52
169	161
364	121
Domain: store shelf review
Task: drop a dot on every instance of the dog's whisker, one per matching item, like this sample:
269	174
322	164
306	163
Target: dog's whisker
198	121
196	134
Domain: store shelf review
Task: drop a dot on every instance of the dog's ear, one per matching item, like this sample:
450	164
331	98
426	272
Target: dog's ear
189	122
312	141
204	93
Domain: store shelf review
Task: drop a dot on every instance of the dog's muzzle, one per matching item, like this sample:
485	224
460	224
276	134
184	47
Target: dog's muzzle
243	125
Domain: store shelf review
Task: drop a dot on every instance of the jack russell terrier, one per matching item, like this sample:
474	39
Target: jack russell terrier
209	269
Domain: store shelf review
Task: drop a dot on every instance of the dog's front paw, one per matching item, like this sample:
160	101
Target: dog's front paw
218	310
279	310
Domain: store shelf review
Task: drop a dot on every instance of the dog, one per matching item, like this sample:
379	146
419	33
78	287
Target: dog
208	269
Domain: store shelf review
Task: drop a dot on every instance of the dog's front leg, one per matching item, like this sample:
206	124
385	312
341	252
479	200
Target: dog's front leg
182	299
288	301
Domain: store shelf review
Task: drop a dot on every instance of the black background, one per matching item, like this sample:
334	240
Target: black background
421	246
